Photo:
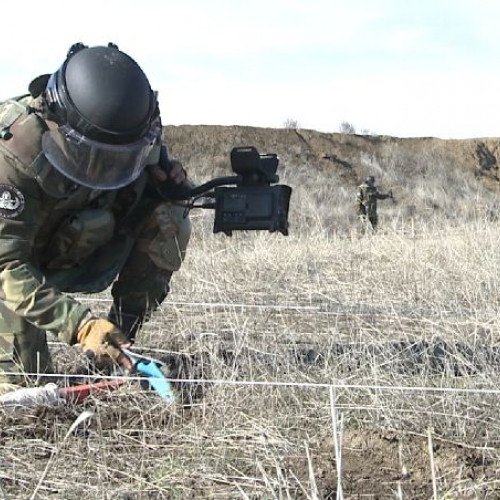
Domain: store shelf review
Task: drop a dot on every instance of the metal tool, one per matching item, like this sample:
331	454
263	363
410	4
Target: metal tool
150	368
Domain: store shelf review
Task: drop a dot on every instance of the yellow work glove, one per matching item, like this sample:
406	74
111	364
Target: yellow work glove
100	338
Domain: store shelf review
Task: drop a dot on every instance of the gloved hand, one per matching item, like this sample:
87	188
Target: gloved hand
102	339
175	172
169	178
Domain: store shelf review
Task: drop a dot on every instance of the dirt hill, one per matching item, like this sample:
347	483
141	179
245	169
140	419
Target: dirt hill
351	156
449	178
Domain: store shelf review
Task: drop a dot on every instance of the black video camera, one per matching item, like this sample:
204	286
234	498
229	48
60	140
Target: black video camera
253	203
246	201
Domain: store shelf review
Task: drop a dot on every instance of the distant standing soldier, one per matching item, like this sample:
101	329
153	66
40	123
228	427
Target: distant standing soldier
367	197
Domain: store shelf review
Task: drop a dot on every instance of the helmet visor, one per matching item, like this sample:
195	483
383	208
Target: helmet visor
95	164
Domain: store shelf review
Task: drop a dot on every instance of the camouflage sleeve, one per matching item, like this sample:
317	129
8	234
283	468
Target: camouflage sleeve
23	288
382	196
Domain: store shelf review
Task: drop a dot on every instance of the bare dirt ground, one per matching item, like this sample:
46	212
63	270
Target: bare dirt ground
160	462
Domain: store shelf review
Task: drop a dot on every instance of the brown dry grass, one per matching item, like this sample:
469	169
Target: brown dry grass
322	323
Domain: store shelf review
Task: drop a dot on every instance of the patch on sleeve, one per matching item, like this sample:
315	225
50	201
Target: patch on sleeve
11	201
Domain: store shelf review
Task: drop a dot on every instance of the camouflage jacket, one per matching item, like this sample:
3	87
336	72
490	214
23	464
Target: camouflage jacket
367	198
44	251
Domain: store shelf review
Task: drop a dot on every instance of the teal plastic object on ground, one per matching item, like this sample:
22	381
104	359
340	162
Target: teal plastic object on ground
150	368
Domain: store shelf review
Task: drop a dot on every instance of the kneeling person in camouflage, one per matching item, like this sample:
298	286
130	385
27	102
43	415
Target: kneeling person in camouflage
81	164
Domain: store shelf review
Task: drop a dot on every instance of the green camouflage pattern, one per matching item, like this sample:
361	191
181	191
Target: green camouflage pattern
367	197
166	236
23	348
48	244
143	283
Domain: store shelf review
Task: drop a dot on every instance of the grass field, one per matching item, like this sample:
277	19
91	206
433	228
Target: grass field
323	365
327	364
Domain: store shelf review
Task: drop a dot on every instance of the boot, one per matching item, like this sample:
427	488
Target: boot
128	323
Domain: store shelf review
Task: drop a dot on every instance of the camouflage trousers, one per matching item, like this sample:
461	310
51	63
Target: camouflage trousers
368	216
140	287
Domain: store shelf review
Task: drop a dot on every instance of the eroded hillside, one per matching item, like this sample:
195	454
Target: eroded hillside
449	179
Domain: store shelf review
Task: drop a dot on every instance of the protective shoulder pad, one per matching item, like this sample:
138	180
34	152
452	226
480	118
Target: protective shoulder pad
11	110
23	146
22	134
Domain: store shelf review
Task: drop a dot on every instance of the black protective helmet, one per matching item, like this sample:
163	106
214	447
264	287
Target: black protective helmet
106	114
370	180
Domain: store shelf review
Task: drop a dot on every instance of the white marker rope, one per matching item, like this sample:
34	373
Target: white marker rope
266	383
328	309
